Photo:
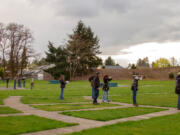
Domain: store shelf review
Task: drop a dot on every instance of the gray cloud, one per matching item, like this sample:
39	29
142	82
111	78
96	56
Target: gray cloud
118	23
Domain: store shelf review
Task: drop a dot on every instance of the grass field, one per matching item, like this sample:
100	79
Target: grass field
106	115
7	110
167	125
12	125
65	107
156	93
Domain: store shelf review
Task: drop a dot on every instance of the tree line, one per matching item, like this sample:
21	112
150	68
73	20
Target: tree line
159	63
144	63
15	49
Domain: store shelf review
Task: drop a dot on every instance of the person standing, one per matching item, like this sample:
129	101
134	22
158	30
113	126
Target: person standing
32	83
91	80
106	79
177	90
7	82
19	82
96	85
62	85
15	80
134	87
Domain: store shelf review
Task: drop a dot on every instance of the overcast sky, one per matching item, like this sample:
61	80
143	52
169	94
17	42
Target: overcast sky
128	29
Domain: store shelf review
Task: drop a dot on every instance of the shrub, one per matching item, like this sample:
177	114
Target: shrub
171	75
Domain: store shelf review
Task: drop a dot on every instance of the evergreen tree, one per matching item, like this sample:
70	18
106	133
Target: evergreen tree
57	56
133	66
109	61
83	48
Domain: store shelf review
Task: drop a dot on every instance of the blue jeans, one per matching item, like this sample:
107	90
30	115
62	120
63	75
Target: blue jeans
96	95
14	85
93	93
105	95
178	101
61	95
32	85
24	83
19	84
134	96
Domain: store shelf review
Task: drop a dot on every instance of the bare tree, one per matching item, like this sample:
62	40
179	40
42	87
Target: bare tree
173	61
19	40
3	46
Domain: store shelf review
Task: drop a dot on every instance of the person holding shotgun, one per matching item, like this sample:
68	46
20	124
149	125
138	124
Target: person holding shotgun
106	79
134	87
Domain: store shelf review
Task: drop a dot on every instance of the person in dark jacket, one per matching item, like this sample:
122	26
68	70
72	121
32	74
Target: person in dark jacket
106	80
15	80
19	82
134	87
32	83
91	80
62	85
7	82
96	85
177	90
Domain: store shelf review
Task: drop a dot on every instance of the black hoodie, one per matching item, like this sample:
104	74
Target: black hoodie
177	90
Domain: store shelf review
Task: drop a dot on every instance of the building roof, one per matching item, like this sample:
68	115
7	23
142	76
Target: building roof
114	67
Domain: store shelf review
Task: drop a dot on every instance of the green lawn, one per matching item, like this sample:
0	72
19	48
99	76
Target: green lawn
166	125
24	124
65	107
158	93
106	115
8	110
44	92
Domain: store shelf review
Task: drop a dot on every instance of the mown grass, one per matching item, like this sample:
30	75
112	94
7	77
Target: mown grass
166	125
65	107
158	93
44	92
8	110
13	125
106	115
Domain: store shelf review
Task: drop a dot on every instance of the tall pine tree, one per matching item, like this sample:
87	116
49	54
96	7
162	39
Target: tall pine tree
83	48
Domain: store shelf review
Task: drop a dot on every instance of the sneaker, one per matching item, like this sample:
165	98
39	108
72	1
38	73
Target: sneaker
178	108
108	100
